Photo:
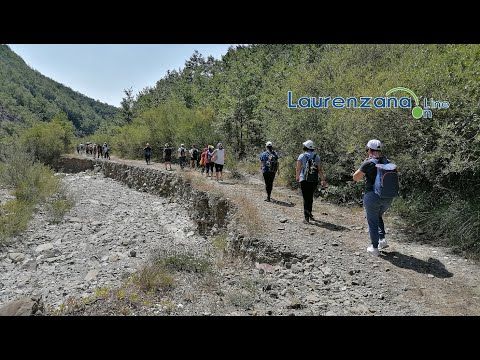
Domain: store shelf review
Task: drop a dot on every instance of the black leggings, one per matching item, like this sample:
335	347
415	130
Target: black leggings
308	188
269	177
209	167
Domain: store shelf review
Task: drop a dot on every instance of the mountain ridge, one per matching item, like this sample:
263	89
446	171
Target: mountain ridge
28	95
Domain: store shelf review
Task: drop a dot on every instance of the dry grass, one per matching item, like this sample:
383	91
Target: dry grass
14	218
247	214
201	183
152	278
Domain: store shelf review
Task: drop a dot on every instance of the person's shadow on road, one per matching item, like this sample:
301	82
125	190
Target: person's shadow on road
328	226
432	266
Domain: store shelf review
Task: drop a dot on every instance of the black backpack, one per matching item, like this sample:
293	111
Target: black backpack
386	182
311	169
195	154
182	152
272	162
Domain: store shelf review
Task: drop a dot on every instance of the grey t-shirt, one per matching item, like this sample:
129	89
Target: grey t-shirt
303	158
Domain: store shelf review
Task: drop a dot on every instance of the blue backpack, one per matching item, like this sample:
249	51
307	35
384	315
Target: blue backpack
386	182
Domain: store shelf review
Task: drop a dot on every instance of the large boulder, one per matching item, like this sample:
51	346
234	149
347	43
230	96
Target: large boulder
23	307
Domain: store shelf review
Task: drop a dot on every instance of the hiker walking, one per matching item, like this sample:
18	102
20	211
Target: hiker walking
381	186
203	159
106	151
269	167
167	156
182	156
208	160
194	157
99	151
308	172
147	151
218	158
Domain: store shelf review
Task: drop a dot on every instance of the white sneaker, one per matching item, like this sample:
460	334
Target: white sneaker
382	244
371	250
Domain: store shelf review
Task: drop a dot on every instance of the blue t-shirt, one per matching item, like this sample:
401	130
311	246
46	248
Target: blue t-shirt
303	158
264	158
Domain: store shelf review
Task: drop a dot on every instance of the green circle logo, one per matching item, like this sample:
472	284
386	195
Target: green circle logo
417	112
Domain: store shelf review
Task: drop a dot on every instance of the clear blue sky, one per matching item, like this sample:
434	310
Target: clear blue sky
103	71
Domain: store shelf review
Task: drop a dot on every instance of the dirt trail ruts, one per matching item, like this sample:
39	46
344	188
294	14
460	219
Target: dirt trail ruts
412	274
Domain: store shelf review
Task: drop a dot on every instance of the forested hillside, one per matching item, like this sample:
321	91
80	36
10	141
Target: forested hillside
242	101
26	95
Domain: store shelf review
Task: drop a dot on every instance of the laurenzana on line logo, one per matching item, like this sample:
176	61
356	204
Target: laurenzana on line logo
368	102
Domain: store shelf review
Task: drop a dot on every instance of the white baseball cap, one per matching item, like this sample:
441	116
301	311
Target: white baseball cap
374	144
269	143
309	144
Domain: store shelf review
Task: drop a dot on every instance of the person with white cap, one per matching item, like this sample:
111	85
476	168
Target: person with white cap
308	172
374	204
269	167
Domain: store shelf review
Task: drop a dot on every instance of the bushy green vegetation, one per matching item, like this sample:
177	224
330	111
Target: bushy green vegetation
243	99
32	182
27	96
46	141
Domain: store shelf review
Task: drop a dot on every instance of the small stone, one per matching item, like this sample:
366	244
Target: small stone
113	257
295	304
288	265
43	247
281	228
29	264
190	234
430	276
283	221
91	275
312	298
387	269
334	244
326	270
132	253
16	257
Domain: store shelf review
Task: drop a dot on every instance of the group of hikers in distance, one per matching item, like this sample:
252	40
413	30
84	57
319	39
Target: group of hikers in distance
205	160
96	150
379	174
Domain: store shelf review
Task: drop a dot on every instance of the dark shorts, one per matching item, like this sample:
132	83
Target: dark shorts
168	158
218	168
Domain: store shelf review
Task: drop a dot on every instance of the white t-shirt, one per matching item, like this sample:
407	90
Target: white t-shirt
220	156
